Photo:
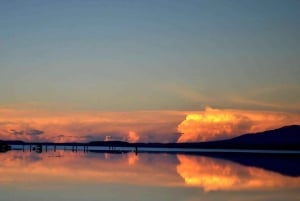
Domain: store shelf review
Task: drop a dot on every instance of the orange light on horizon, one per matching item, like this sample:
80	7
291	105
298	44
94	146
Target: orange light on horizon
133	137
88	126
213	124
142	126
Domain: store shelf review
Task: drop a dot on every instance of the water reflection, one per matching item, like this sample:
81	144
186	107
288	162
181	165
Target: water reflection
215	174
91	167
182	173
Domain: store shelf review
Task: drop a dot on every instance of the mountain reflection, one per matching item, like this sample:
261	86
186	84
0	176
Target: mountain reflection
146	169
217	174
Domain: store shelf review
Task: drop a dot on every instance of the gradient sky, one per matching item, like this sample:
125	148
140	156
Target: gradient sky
141	55
225	57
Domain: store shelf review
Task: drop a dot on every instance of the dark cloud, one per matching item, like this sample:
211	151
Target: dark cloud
34	132
15	132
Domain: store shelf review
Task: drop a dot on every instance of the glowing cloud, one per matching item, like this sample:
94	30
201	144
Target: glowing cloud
59	126
133	136
142	126
212	124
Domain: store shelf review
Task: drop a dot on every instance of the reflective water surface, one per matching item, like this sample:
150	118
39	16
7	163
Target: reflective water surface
66	176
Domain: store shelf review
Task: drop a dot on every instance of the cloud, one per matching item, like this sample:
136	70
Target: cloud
142	126
280	97
189	94
212	174
213	124
133	137
26	132
59	126
34	132
15	132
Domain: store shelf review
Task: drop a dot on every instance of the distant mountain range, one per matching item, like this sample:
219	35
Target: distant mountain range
285	138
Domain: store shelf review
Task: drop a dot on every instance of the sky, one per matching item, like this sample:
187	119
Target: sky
157	57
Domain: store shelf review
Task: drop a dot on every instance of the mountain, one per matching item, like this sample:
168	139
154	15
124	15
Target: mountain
287	137
282	137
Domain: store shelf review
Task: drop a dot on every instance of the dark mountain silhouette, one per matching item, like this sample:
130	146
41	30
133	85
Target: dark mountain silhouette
285	164
284	135
287	138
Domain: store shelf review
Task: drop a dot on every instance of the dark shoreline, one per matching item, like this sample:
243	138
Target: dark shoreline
285	163
218	145
282	139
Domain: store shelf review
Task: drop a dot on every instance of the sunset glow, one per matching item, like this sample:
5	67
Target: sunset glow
212	124
137	126
88	126
149	100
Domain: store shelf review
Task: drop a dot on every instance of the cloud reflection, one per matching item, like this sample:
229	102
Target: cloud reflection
214	174
201	172
65	166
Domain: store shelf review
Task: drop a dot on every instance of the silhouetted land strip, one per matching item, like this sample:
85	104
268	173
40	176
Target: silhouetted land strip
285	138
4	147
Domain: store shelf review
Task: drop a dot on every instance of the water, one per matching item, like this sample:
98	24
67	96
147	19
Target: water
65	175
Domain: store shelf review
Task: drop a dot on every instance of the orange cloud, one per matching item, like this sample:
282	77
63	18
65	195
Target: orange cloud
212	174
212	124
87	126
145	126
133	137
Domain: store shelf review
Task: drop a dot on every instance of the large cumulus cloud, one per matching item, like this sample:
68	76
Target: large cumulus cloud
214	124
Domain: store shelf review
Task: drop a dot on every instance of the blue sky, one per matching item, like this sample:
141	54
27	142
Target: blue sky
150	55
